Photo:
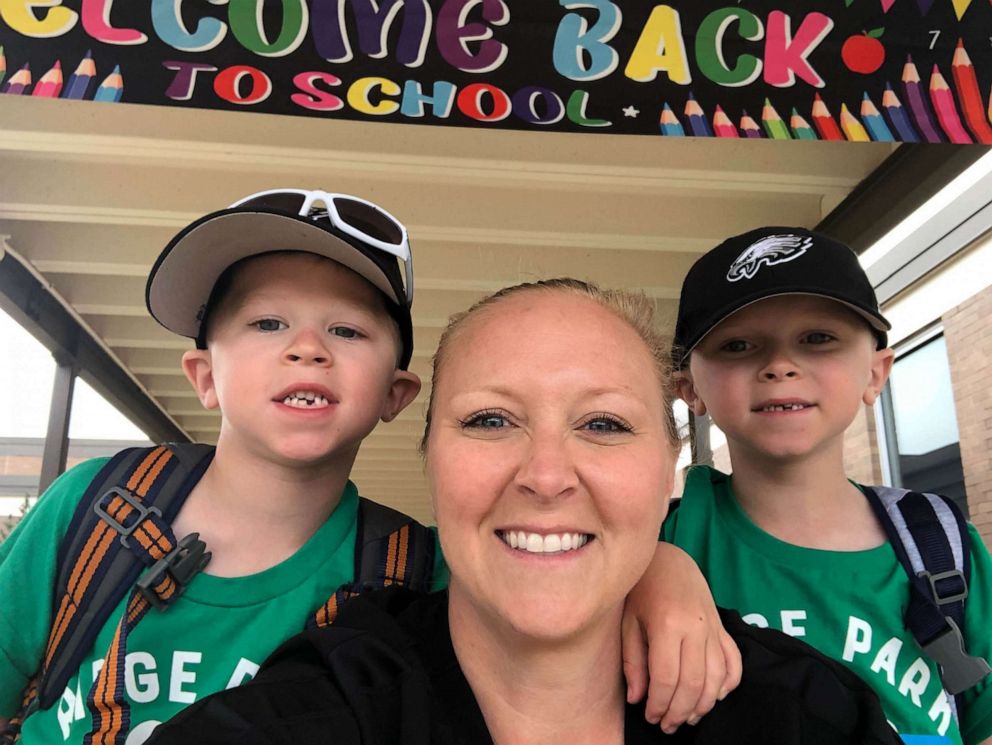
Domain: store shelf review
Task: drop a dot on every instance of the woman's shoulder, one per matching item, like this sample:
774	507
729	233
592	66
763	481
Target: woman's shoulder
356	677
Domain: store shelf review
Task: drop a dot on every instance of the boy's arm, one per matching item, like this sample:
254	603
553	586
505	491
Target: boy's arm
27	573
672	630
976	722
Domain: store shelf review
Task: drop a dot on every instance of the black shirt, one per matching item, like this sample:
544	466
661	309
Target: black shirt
386	673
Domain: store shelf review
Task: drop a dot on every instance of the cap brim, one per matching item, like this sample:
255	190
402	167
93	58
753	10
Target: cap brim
182	279
877	322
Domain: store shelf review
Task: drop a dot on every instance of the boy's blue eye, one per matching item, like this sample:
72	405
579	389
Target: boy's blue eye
737	345
344	332
268	324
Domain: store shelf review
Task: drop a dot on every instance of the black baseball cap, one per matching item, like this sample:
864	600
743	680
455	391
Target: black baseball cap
345	229
764	263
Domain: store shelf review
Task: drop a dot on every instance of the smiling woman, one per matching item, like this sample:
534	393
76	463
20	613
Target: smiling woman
550	448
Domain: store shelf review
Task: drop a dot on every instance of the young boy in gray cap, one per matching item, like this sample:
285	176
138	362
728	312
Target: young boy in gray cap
299	302
780	340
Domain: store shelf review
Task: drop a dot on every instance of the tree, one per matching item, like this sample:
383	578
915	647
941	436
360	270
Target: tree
7	524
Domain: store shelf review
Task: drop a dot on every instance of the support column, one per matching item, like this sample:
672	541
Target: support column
57	438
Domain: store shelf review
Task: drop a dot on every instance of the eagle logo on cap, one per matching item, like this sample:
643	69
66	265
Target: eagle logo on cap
772	249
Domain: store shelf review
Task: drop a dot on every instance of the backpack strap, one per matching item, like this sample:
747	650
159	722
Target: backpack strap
931	541
128	505
390	549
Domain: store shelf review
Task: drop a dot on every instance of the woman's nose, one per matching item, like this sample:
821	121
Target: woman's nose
548	467
307	347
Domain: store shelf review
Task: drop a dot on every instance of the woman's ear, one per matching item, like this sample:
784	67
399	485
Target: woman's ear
687	392
881	366
198	368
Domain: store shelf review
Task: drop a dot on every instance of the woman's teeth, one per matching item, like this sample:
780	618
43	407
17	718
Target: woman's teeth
535	543
305	400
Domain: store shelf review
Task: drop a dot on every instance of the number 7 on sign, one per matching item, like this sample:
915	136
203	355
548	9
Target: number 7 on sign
935	34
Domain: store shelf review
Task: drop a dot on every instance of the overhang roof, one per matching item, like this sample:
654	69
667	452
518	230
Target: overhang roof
90	193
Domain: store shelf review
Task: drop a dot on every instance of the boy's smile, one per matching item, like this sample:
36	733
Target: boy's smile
301	361
785	377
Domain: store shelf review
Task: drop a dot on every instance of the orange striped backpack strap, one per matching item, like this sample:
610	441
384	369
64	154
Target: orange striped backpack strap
120	528
390	549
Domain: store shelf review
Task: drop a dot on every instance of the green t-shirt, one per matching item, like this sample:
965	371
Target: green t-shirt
213	637
847	604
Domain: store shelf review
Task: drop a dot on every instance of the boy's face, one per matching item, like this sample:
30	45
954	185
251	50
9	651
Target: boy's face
301	361
785	377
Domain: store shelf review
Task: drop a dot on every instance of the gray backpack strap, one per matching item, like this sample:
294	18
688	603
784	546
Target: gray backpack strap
931	540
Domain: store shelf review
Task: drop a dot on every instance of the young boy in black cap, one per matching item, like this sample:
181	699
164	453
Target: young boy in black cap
299	302
780	340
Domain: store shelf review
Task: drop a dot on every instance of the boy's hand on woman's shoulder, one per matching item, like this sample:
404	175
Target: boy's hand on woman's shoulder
675	648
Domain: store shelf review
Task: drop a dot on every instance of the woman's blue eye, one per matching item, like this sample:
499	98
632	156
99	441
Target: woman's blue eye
485	421
344	332
269	324
607	425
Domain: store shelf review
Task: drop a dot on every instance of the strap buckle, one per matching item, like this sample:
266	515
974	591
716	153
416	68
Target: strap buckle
955	595
143	510
959	670
184	562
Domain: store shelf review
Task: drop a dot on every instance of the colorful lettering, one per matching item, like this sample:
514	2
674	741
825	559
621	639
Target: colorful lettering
575	41
470	102
182	85
314	98
785	55
576	111
525	105
709	47
359	96
660	47
245	17
168	24
21	17
454	33
227	85
96	22
374	20
441	99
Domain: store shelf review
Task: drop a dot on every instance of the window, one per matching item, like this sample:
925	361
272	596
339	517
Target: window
921	427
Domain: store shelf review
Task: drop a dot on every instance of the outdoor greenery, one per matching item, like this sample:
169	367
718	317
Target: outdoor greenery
7	523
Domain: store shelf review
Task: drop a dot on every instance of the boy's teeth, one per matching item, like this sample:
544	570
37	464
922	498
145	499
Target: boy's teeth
305	400
785	407
535	543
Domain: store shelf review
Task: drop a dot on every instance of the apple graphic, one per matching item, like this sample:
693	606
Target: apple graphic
863	53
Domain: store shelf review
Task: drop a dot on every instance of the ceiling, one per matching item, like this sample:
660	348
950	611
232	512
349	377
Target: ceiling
90	193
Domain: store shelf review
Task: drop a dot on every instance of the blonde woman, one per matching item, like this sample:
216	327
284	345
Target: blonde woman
550	449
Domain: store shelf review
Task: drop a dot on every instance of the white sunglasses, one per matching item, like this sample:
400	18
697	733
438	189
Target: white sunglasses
356	217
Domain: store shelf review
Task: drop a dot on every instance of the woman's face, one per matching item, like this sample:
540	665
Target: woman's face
549	462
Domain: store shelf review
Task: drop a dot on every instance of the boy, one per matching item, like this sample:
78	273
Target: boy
301	315
780	340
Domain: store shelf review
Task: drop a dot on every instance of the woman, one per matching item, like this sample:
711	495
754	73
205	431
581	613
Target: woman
550	449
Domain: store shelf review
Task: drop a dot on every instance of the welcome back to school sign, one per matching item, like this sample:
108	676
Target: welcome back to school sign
889	70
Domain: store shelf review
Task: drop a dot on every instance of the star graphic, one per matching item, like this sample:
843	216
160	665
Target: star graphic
631	112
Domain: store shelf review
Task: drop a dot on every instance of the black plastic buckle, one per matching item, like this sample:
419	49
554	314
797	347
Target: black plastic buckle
144	511
184	562
934	579
959	670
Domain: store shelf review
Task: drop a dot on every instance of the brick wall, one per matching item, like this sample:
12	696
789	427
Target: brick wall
968	332
861	459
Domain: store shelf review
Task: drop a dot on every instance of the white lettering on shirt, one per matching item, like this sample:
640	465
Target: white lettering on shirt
789	625
915	680
941	708
858	638
886	659
244	672
70	709
756	619
143	688
140	733
181	675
